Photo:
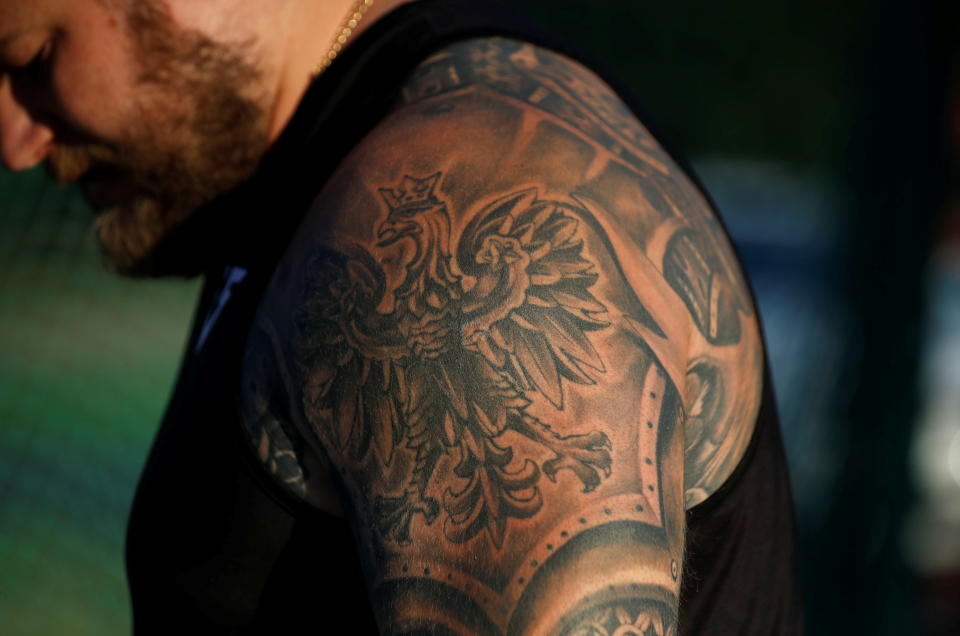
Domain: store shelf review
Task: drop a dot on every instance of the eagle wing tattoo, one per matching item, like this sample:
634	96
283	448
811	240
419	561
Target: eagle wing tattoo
448	358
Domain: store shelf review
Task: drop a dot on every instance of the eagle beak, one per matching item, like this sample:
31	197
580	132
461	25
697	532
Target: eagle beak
386	236
390	232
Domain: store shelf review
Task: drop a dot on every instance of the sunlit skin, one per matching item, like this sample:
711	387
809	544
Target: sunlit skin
75	92
513	333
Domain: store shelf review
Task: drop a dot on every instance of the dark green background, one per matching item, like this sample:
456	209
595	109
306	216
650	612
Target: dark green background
86	362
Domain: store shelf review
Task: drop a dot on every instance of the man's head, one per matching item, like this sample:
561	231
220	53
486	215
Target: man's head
154	119
155	106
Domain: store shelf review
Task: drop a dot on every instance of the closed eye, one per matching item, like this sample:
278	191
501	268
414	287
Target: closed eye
40	61
35	66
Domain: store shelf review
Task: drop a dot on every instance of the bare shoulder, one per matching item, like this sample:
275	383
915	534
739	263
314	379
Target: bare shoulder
651	200
515	334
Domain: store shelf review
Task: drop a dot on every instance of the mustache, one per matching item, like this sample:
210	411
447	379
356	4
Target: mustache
70	162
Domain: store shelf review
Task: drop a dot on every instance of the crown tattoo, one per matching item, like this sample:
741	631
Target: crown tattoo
412	193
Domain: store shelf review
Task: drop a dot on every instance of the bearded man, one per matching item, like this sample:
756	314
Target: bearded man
474	354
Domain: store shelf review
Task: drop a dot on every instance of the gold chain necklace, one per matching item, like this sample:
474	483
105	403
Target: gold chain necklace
349	26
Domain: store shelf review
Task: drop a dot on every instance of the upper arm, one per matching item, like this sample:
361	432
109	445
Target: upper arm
504	327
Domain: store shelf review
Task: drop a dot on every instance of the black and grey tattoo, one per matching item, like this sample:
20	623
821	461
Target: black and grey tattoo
450	368
514	379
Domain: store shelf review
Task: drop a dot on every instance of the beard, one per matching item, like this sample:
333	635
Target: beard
196	132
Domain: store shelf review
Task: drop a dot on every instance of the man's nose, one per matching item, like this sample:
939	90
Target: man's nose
24	141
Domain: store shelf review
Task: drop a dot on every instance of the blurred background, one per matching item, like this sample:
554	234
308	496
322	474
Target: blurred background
829	135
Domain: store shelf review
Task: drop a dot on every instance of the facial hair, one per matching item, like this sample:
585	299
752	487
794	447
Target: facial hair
196	132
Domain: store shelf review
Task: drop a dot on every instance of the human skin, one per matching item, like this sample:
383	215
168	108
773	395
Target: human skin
514	334
155	107
91	74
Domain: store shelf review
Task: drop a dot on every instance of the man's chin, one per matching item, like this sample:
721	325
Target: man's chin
131	236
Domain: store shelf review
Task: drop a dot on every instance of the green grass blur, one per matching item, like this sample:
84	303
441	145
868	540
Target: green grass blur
87	360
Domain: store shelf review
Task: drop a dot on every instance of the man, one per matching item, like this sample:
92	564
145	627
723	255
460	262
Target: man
463	312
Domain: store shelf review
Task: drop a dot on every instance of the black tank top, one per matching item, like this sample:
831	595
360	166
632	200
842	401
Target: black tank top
213	546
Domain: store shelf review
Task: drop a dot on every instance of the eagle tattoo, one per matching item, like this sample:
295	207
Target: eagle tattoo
446	357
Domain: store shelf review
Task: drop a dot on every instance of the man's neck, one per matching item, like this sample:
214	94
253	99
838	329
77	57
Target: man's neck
313	28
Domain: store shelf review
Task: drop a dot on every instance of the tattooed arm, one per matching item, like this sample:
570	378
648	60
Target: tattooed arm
514	335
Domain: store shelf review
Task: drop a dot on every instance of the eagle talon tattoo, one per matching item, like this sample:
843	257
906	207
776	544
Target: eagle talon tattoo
446	357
